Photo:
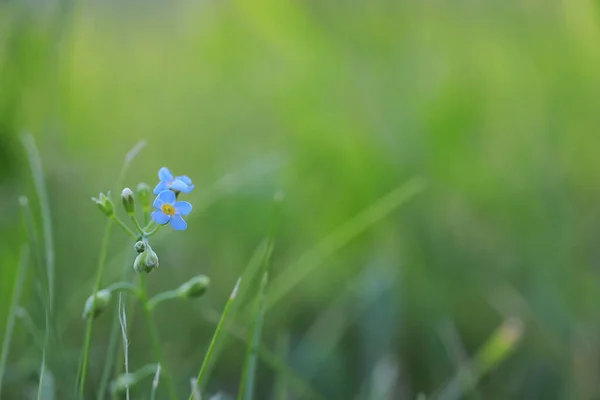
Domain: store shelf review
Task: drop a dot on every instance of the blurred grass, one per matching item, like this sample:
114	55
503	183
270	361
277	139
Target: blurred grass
493	103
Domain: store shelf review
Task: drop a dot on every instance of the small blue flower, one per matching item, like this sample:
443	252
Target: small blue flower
168	181
170	210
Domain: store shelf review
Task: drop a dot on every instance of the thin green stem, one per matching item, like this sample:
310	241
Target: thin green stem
125	227
153	231
137	225
14	304
90	322
154	337
164	296
124	286
146	216
215	337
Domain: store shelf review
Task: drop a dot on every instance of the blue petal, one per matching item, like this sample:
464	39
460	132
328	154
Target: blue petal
165	175
188	189
183	207
158	202
178	223
178	185
185	179
167	196
160	217
160	187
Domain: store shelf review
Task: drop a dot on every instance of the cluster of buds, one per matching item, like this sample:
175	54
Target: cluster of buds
146	260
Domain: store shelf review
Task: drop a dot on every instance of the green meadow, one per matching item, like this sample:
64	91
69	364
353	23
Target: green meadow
405	195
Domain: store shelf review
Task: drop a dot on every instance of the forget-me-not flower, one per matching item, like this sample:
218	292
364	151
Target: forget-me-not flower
170	210
176	183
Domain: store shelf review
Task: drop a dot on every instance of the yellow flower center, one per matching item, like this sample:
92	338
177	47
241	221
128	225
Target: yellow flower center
167	209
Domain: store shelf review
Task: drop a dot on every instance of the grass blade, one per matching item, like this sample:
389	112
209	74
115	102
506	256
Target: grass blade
283	347
246	390
216	335
313	258
499	346
35	163
42	374
123	323
155	383
258	260
302	388
12	312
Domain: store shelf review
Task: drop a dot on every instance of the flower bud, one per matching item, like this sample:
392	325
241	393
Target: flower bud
143	194
94	305
195	287
128	201
140	247
146	261
104	204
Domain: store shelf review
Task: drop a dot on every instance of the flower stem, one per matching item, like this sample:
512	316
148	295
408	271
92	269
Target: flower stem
159	298
90	322
125	227
124	286
137	225
153	231
154	337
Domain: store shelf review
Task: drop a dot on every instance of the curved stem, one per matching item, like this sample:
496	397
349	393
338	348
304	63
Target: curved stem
125	227
126	287
153	231
154	336
159	298
137	225
90	322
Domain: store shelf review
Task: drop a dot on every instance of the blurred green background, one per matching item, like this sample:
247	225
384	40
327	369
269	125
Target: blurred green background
494	105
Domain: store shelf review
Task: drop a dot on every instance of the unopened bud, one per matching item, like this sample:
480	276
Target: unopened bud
104	204
146	261
143	194
94	305
195	287
140	247
128	201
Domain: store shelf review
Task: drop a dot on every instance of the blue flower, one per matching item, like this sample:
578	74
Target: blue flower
168	181
170	210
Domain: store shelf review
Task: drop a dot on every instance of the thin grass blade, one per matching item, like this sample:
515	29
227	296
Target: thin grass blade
497	348
215	338
155	383
37	171
246	390
315	257
12	312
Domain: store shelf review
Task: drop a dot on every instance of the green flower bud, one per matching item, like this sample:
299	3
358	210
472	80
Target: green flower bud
93	307
140	247
146	261
195	287
128	201
144	194
104	204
